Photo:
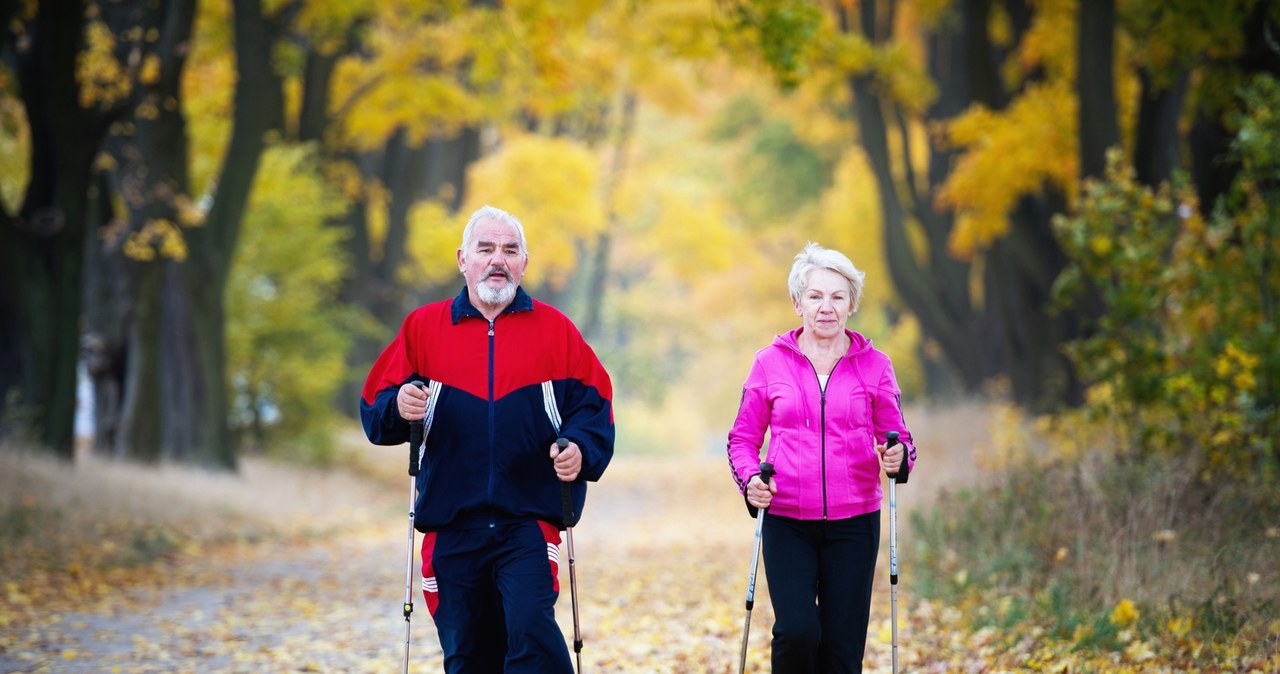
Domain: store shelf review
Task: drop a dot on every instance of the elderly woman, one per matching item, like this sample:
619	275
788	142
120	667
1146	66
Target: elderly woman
827	399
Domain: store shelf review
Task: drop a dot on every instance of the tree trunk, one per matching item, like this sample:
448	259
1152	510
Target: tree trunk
1156	149
437	169
943	309
1096	86
313	113
1007	330
107	308
194	304
45	245
596	285
140	437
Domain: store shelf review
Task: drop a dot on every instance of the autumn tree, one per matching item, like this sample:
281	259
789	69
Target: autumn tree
287	335
42	242
1020	101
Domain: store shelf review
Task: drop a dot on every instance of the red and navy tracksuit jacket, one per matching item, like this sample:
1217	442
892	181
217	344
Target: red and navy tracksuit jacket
490	423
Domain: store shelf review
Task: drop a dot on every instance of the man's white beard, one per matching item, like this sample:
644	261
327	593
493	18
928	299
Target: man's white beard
495	297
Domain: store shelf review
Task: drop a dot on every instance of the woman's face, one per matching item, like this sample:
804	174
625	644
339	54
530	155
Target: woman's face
825	303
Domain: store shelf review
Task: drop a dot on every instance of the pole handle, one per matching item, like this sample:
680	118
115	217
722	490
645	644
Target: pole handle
566	494
891	439
766	474
415	439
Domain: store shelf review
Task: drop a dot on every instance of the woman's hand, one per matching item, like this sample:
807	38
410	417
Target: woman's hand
760	494
891	457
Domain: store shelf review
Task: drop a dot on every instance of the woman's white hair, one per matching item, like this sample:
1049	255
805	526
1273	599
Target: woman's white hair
814	257
492	213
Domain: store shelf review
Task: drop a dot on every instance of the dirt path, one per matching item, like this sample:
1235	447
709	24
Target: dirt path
662	557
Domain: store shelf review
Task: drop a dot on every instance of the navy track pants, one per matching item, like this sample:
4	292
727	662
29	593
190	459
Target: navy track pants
492	592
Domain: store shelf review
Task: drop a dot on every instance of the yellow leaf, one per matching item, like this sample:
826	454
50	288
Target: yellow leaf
150	73
1125	614
1180	626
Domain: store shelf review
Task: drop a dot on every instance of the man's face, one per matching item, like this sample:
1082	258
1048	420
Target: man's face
493	264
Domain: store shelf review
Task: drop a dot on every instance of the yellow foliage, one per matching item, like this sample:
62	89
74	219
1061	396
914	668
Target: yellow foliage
150	73
159	237
15	146
1050	42
906	82
851	53
691	237
345	177
545	180
1179	626
434	235
1009	154
208	79
189	213
377	201
103	79
1124	614
849	221
663	86
1010	439
550	184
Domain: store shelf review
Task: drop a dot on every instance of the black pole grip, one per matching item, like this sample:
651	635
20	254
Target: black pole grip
891	439
766	474
566	494
415	440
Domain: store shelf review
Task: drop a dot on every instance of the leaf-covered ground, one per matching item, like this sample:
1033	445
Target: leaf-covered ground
663	555
662	558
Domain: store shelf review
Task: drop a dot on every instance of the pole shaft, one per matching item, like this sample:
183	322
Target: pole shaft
766	474
893	553
751	592
408	577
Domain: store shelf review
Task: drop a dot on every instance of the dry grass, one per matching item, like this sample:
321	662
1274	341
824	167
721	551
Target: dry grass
1063	542
49	507
109	514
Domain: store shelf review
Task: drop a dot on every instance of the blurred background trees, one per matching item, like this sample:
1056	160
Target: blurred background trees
220	210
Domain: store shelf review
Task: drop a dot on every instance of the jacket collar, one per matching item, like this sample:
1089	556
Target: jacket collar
463	308
791	340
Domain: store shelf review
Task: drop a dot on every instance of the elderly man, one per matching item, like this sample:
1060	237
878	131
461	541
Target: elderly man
505	375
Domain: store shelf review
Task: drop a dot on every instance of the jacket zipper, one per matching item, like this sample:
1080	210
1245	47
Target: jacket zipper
822	431
822	416
492	431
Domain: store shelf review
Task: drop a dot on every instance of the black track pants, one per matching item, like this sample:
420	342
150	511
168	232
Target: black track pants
820	576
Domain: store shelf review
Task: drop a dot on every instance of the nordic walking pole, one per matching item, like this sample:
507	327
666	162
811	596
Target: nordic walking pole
415	443
566	502
766	474
893	550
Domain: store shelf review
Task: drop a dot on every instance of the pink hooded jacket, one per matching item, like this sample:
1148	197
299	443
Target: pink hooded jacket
821	444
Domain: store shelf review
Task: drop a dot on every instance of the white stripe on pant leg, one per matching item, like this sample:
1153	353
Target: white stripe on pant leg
553	552
429	585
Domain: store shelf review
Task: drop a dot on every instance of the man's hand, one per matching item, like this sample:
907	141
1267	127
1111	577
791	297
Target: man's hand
411	402
567	461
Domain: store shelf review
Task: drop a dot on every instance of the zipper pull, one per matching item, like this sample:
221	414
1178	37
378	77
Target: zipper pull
490	328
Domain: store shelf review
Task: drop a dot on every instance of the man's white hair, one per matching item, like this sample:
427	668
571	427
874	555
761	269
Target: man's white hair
492	213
